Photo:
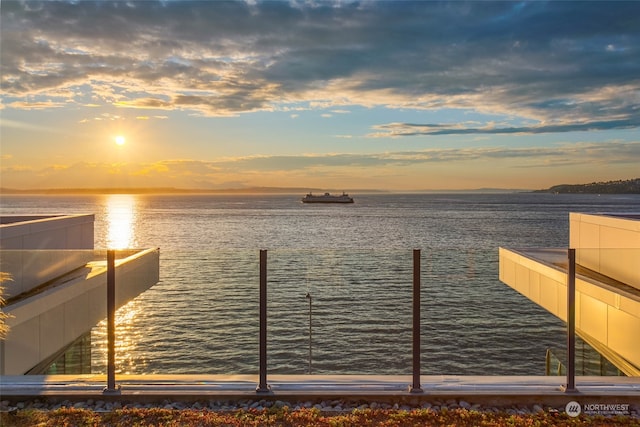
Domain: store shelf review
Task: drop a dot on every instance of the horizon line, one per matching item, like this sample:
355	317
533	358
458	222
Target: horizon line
248	190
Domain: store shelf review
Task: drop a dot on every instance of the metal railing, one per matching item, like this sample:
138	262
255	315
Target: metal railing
263	386
571	323
111	324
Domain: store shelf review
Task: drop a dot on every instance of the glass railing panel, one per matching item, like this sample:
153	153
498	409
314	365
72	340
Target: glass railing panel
357	302
475	325
201	317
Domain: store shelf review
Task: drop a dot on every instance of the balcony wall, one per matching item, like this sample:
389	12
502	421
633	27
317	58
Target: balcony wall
60	245
604	313
608	244
43	324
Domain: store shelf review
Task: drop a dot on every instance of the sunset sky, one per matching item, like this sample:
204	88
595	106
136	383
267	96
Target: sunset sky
401	95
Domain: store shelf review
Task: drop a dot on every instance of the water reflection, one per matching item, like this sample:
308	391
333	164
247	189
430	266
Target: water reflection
130	356
121	214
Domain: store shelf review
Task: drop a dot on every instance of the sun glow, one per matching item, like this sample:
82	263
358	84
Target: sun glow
120	140
121	215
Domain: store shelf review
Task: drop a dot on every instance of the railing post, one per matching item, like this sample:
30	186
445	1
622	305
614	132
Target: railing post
262	386
310	330
415	386
111	324
571	323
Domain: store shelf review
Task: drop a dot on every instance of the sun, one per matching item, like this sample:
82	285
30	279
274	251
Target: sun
120	140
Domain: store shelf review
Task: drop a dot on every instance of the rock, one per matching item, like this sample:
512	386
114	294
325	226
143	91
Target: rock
465	405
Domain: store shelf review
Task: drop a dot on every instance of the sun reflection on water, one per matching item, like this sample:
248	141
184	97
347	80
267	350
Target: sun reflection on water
121	214
130	358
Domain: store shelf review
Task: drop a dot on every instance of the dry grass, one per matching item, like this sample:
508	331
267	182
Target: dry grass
303	417
4	329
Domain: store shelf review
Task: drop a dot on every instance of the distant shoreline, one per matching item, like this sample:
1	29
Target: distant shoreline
253	190
631	186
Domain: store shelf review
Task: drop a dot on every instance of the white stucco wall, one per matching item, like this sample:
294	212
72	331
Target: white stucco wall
607	244
43	324
36	249
605	314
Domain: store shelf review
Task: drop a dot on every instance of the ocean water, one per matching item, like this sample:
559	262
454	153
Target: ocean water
355	263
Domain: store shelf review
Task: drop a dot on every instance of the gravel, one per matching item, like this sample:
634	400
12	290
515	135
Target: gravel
326	406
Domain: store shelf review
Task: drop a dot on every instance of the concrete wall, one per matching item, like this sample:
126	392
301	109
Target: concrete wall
607	315
607	244
29	269
51	232
49	321
37	249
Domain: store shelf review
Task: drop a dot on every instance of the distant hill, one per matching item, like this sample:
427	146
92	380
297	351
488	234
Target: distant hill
171	190
630	186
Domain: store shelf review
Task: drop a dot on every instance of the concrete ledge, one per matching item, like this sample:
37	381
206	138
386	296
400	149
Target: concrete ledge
44	323
607	311
494	390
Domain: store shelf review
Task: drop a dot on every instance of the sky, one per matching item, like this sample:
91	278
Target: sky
390	95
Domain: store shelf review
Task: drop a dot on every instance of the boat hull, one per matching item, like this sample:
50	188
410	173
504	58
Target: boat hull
327	198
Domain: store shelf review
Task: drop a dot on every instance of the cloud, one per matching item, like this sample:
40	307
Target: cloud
534	60
29	126
152	117
318	168
35	105
413	129
150	103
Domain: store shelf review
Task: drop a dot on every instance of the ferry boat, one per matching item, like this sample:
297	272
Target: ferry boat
327	198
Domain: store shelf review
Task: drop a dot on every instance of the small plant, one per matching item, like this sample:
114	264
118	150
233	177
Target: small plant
4	329
303	417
